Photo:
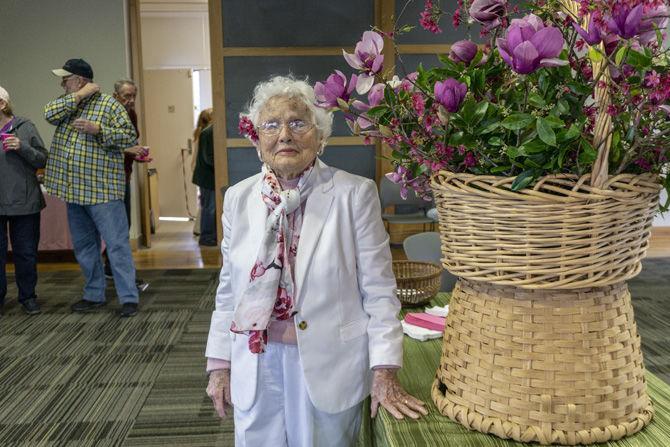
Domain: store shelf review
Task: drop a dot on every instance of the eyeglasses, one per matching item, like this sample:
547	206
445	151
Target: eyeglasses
295	126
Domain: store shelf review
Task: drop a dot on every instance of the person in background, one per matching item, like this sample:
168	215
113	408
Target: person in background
125	91
203	177
21	201
85	170
305	325
204	120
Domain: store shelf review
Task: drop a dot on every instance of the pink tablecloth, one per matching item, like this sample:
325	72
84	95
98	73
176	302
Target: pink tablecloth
54	231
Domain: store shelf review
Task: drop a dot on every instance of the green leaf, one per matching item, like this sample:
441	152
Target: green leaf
513	152
489	127
524	179
480	111
554	121
588	154
595	55
499	169
468	111
536	100
495	141
534	146
561	156
517	121
377	111
638	60
562	107
545	132
618	57
456	138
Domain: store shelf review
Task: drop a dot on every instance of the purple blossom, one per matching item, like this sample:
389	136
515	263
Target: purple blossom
488	12
335	87
592	35
655	18
450	94
463	51
375	97
367	58
625	22
529	44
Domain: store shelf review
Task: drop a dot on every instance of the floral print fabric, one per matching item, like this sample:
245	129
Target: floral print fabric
270	293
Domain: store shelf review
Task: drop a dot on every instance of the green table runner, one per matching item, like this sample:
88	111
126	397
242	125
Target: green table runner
421	360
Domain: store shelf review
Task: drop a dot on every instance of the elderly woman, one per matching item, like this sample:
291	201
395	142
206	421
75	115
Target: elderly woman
305	326
21	201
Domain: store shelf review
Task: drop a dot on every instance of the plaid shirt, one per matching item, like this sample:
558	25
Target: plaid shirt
88	169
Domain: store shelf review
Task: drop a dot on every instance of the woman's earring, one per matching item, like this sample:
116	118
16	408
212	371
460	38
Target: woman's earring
258	152
320	151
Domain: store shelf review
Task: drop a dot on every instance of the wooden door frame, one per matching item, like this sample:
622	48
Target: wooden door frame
137	70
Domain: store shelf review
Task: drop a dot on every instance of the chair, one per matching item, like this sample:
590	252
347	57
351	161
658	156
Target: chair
426	247
406	211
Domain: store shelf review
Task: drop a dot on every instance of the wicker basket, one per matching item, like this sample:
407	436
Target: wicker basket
540	343
543	366
418	282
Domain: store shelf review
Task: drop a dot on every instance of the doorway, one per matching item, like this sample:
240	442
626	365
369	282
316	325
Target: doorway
174	61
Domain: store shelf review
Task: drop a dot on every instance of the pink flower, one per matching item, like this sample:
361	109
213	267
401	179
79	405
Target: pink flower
470	160
450	93
418	103
652	79
429	17
247	129
367	58
334	88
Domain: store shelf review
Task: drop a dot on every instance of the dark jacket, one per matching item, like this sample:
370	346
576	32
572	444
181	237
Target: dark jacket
20	194
203	174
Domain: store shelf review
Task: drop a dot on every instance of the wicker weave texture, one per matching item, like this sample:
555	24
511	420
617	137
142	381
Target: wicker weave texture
417	281
560	234
543	366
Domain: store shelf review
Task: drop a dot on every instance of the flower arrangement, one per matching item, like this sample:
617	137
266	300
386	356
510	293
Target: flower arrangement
523	105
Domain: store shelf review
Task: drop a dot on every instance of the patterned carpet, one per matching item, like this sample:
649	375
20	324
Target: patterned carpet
96	379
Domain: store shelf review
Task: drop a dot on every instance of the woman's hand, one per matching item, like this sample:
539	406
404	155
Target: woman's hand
11	143
387	391
218	390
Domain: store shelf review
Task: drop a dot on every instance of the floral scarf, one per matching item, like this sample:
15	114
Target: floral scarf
270	293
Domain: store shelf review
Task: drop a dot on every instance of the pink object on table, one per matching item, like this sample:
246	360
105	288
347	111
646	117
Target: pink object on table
426	321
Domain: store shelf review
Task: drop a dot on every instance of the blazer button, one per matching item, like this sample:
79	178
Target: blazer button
302	325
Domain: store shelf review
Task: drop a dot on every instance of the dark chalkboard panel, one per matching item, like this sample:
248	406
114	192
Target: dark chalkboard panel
360	160
273	23
410	62
243	73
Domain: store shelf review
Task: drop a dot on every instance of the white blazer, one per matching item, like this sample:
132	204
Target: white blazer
346	292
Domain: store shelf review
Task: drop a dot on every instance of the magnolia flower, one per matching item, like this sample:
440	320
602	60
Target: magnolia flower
488	12
529	44
367	58
591	35
655	18
463	51
625	21
450	93
375	97
335	87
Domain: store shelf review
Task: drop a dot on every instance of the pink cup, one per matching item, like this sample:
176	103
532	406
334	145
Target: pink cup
3	137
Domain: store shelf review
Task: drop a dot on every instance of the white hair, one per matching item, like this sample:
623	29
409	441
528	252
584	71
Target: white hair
290	87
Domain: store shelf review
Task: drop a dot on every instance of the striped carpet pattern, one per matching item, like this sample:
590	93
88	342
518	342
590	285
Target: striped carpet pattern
99	380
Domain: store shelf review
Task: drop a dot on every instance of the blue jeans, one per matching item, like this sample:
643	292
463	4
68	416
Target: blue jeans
24	232
208	216
107	220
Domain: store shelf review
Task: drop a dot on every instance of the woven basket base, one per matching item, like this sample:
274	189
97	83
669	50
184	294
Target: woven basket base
546	366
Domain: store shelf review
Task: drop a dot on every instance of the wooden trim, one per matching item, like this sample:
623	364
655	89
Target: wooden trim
219	103
332	141
134	22
284	51
424	49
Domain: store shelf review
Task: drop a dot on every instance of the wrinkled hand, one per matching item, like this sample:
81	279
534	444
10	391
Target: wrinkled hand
387	391
87	90
136	151
218	390
86	126
11	144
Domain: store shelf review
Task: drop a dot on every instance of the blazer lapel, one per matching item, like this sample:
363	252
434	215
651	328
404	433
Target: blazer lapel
258	213
317	209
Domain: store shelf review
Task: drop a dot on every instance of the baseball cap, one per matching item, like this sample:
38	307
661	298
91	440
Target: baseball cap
77	67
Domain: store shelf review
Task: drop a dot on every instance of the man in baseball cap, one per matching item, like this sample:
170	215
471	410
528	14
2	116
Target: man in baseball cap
77	67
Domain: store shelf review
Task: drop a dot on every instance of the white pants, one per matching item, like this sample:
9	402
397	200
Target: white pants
283	414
